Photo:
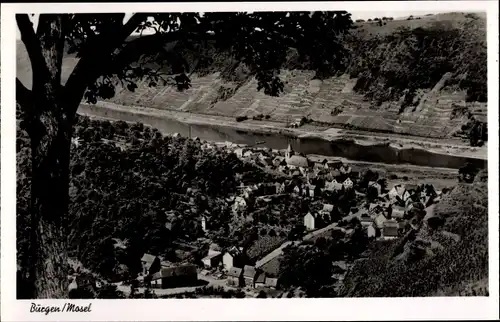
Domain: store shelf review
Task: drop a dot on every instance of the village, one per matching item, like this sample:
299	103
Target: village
341	197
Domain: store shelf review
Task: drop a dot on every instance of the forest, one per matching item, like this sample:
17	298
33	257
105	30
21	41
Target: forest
124	179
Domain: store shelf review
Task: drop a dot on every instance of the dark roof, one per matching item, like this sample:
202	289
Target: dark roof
249	271
234	272
410	187
365	217
261	278
390	231
233	251
181	270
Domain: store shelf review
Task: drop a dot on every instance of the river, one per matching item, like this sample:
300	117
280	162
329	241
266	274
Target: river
279	139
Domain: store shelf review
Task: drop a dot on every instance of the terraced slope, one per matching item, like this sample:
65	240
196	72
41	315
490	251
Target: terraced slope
331	102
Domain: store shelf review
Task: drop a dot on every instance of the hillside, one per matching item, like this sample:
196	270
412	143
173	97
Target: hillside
423	77
447	256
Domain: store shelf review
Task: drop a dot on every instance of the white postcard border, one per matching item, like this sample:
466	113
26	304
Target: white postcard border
248	309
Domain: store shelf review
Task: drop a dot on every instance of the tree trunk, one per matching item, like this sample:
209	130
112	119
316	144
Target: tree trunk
49	206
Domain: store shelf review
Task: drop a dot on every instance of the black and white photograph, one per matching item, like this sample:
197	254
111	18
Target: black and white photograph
250	154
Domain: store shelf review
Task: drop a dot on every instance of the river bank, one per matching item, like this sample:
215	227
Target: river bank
328	142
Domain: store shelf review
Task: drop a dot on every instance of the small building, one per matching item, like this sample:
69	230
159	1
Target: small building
175	276
371	231
345	169
333	185
313	190
249	274
375	185
396	192
327	207
348	184
272	282
310	221
260	281
366	220
398	212
390	229
213	259
235	277
150	264
379	221
232	257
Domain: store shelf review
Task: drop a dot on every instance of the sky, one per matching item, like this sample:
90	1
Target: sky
355	15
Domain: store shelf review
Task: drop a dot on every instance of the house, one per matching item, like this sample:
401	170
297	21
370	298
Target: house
390	229
345	169
366	220
249	274
398	212
213	259
406	196
371	231
175	276
150	264
310	221
260	281
313	190
280	188
379	221
333	185
233	257
272	282
327	207
235	277
373	184
348	184
396	191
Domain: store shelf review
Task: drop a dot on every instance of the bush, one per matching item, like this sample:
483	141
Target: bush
241	118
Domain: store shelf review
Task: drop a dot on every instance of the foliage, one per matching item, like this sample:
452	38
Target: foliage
444	269
123	191
394	66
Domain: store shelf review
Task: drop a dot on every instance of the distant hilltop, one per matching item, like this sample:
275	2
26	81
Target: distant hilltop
422	76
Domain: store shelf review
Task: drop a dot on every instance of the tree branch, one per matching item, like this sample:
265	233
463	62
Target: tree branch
32	44
89	67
